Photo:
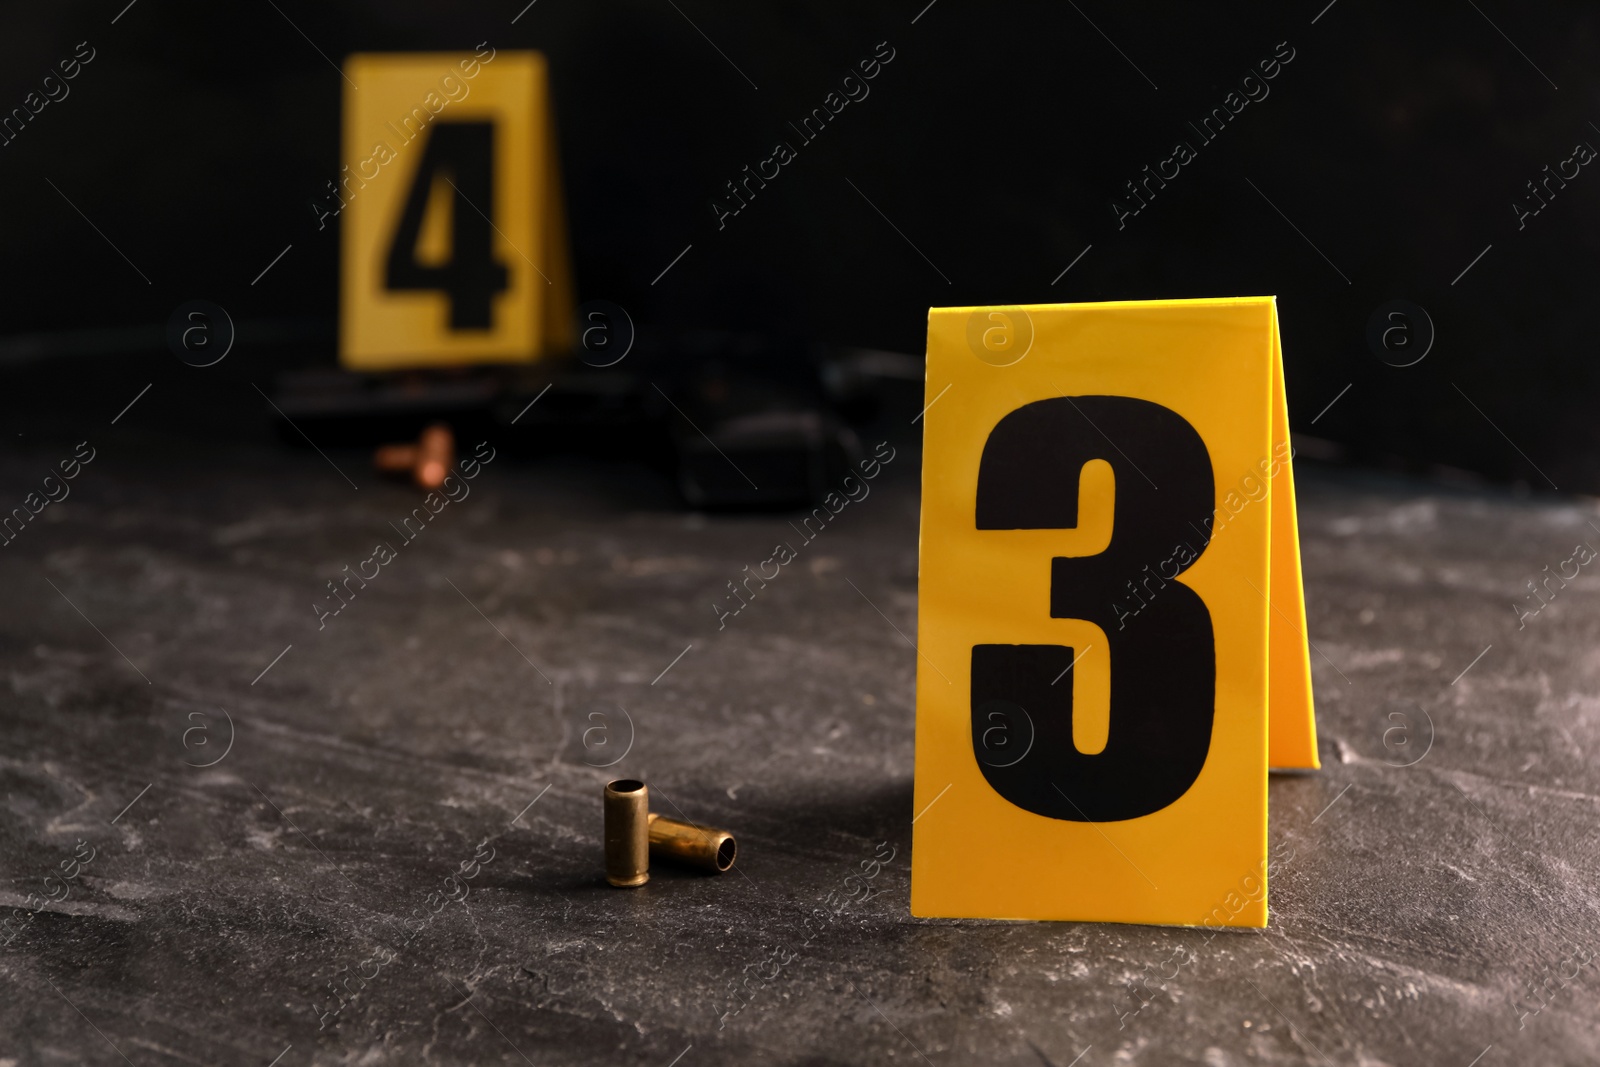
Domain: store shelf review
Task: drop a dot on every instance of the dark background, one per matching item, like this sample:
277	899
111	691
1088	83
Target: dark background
1396	140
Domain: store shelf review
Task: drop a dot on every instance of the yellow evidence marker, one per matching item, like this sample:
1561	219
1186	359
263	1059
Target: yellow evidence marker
453	243
1111	625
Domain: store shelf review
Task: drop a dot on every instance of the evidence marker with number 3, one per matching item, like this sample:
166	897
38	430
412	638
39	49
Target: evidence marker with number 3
453	241
1110	611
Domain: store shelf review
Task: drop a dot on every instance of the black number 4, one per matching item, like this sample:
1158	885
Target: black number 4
462	153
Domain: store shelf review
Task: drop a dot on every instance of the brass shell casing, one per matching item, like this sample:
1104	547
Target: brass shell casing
627	832
427	461
395	459
436	451
704	847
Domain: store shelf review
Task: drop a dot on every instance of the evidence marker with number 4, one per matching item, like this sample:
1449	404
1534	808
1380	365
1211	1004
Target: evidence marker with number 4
453	242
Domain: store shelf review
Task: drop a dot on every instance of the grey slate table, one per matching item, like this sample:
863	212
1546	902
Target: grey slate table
447	720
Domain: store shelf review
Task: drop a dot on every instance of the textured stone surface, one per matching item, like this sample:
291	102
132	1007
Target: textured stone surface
1417	909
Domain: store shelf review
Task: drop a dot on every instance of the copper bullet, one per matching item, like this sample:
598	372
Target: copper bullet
428	461
705	847
436	450
627	807
395	459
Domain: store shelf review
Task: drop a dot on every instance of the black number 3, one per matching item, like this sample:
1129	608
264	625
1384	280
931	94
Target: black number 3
463	152
1163	664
